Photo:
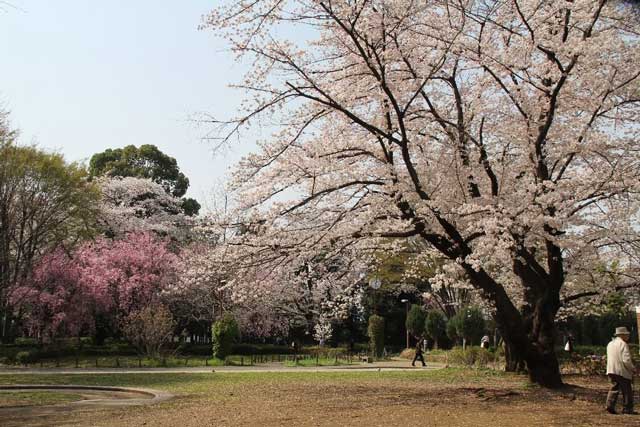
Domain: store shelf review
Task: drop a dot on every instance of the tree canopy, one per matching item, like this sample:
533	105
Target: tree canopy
146	161
45	202
501	135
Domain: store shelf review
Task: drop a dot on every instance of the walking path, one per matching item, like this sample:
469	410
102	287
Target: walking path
393	365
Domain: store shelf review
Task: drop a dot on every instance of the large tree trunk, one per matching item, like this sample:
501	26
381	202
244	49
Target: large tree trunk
537	358
544	369
528	336
514	358
541	359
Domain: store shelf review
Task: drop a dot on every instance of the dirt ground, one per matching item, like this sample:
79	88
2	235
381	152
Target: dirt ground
366	402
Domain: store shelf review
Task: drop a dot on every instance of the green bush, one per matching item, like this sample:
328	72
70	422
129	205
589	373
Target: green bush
471	356
25	357
435	326
245	349
22	341
415	321
360	347
325	351
484	357
224	333
375	331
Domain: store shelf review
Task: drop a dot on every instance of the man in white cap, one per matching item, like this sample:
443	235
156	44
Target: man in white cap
620	370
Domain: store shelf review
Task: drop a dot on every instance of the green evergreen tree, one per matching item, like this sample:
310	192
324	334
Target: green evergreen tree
415	321
375	331
224	333
435	326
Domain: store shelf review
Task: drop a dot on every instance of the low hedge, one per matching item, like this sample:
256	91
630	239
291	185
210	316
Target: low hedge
68	348
244	349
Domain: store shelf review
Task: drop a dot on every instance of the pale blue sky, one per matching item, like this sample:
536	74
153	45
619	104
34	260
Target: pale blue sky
81	76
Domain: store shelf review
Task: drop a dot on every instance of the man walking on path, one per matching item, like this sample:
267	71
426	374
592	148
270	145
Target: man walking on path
419	355
620	370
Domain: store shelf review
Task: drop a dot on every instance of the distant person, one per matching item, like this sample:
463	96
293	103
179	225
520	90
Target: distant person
484	342
419	355
620	370
568	346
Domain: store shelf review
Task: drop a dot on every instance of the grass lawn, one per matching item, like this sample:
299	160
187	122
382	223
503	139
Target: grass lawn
448	397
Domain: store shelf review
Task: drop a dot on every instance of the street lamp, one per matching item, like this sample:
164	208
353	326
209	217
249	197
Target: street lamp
406	315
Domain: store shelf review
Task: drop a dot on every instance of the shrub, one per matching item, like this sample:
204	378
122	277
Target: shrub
25	357
375	331
415	321
360	347
471	356
149	329
585	365
592	365
408	353
245	349
435	326
325	351
224	333
23	341
484	357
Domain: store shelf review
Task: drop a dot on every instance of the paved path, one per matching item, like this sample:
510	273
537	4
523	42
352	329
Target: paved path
395	365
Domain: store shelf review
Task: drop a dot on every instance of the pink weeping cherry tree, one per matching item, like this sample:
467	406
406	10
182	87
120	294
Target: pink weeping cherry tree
111	277
54	301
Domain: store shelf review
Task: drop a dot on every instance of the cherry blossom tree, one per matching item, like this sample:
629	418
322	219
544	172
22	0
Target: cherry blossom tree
146	161
127	274
200	292
53	302
132	204
501	134
114	278
276	294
